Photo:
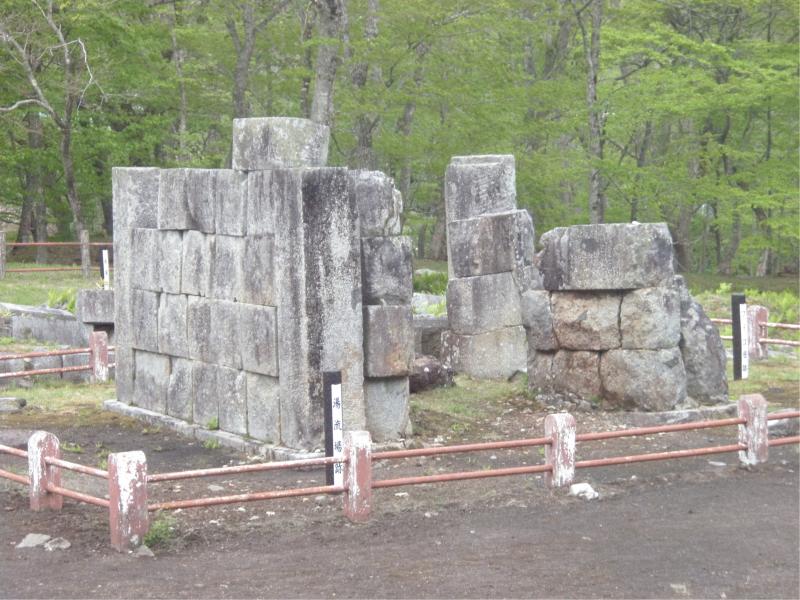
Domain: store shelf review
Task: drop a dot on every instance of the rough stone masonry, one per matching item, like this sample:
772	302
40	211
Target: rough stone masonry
236	288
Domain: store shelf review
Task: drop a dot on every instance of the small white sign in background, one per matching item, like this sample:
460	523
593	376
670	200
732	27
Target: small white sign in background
338	432
745	328
106	271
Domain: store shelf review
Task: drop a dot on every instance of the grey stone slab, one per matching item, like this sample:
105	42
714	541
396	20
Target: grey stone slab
387	408
479	185
169	261
230	202
196	263
496	354
172	325
278	142
198	325
586	320
537	317
577	373
227	271
540	371
428	333
650	319
494	243
47	325
144	320
263	408
232	393
258	339
258	275
123	373
388	341
95	306
225	340
47	362
186	200
260	205
644	379
180	393
145	260
151	381
387	270
480	304
76	360
135	197
206	396
615	256
379	204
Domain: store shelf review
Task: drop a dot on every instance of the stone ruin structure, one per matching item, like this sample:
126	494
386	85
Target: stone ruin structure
235	289
598	314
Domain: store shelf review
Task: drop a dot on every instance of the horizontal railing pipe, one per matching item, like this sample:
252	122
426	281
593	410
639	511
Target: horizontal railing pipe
624	460
459	476
251	497
387	454
65	352
56	244
78	468
606	435
79	496
45	371
273	466
44	269
14	477
785	441
789	414
13	451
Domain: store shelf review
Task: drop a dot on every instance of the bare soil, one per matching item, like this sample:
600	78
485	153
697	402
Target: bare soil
700	527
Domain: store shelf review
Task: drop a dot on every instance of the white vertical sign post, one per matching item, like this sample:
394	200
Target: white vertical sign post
106	271
745	325
334	426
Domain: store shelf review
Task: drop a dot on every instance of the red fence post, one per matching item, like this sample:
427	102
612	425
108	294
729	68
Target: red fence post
41	445
757	318
358	475
560	453
754	433
98	355
127	495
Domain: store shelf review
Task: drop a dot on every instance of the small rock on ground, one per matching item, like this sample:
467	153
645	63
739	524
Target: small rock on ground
583	490
58	543
143	552
32	540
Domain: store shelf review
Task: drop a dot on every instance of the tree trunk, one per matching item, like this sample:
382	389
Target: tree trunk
69	179
331	18
183	110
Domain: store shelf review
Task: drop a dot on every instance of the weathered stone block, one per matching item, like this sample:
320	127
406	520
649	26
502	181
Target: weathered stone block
224	343
260	203
607	257
387	271
540	371
379	204
186	199
151	381
586	320
650	319
172	328
263	408
428	372
537	317
78	360
144	320
145	260
488	244
169	261
279	142
197	260
95	306
387	408
232	393
428	334
644	379
206	394
180	392
577	373
47	362
479	304
388	341
496	354
230	202
135	194
258	282
123	373
227	273
198	326
479	185
258	339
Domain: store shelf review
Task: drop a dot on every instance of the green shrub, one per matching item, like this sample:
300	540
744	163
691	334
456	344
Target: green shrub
162	530
430	283
63	299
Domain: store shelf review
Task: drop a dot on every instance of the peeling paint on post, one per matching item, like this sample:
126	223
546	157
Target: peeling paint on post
754	433
127	493
358	475
41	445
560	453
98	353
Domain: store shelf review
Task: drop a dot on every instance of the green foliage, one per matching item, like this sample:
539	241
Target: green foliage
163	530
213	424
211	444
430	283
63	299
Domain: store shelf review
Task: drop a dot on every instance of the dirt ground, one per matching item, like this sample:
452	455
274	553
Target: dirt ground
700	527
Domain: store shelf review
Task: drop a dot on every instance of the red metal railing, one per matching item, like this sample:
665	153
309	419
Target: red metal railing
85	258
761	332
97	356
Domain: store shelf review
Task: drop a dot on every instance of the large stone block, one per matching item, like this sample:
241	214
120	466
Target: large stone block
650	319
387	408
144	320
169	261
379	204
428	334
232	393
496	354
78	360
488	244
540	371
225	340
186	199
180	392
151	381
643	379
388	341
95	306
484	303
577	373
702	351
258	339
135	197
198	327
227	272
197	260
206	394
263	408
614	256
230	202
172	328
156	260
387	271
586	320
260	203
258	281
537	317
479	185
124	373
279	142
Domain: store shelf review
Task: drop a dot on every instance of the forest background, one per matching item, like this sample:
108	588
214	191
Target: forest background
683	111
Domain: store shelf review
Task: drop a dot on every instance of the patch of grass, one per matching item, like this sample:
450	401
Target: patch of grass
14	346
34	288
430	283
163	529
63	299
777	379
213	424
211	444
433	265
71	448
